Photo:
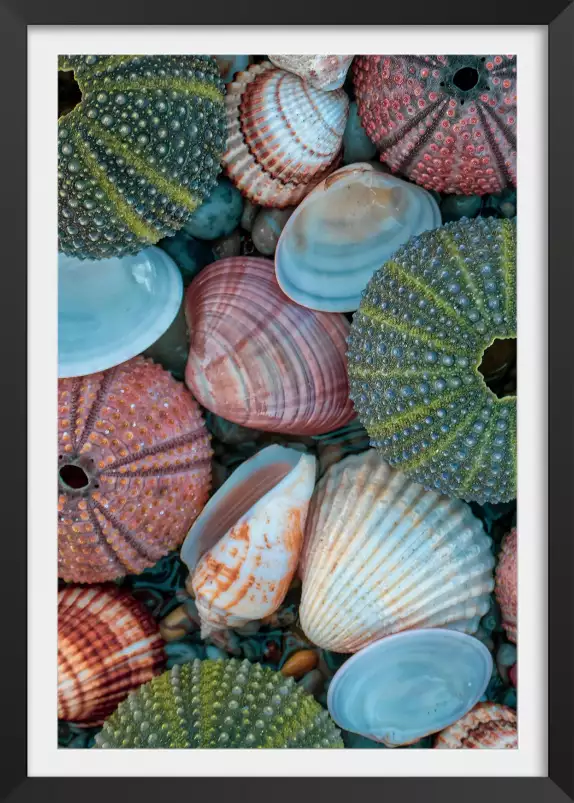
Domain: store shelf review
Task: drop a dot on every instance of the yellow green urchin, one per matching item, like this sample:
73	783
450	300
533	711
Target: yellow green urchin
425	326
139	153
219	704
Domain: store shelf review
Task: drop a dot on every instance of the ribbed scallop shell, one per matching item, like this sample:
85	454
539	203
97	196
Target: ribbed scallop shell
321	72
283	135
383	555
258	359
134	470
108	645
489	726
506	590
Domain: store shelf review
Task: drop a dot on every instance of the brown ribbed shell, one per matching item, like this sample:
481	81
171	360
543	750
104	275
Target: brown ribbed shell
108	645
488	726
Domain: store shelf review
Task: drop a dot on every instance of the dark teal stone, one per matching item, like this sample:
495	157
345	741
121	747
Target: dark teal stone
189	254
219	215
357	147
455	207
502	203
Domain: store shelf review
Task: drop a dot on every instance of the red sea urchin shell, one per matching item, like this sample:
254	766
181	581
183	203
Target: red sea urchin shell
486	726
258	359
283	136
447	122
506	584
108	645
134	470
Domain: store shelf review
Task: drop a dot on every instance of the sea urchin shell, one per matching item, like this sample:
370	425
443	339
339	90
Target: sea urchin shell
133	470
506	590
220	704
425	326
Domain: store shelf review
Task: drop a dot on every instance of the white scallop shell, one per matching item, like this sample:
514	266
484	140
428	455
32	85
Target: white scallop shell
383	555
344	230
249	537
322	72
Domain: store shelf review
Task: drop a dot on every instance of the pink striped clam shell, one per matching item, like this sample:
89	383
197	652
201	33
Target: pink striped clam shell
108	645
506	584
487	726
283	136
321	72
258	359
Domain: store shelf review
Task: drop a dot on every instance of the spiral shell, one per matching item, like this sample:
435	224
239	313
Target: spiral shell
383	555
487	726
506	589
133	470
260	360
283	135
321	72
108	645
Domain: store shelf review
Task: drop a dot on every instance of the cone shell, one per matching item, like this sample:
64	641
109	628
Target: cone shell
260	513
506	590
284	136
383	555
321	72
258	359
108	645
487	726
134	470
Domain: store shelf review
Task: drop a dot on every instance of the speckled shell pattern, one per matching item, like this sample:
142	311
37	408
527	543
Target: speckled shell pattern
139	153
284	136
220	704
506	588
444	137
321	72
489	726
108	645
136	441
258	359
383	555
246	575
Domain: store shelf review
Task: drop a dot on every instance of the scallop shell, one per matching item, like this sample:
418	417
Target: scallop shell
383	555
506	590
322	72
344	230
260	360
283	135
252	529
108	645
488	726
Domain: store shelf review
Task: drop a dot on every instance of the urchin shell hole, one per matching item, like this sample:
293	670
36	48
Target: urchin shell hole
74	477
69	93
466	78
498	367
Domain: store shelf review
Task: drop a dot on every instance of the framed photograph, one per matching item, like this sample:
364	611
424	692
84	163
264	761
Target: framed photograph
267	309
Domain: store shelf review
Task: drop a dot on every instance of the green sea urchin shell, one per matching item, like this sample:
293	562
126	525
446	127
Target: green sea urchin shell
220	704
139	153
416	343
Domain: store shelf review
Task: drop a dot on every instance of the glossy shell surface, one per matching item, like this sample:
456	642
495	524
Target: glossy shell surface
283	135
489	726
108	645
321	72
258	359
134	470
407	686
506	588
383	555
253	530
344	230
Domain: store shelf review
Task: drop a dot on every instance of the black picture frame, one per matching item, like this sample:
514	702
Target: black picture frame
15	17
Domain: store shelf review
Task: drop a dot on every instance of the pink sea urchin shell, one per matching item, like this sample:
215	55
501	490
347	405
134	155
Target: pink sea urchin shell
506	584
486	726
108	645
446	122
134	470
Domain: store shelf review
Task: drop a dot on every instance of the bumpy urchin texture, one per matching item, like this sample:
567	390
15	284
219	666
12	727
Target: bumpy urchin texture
220	704
139	153
417	340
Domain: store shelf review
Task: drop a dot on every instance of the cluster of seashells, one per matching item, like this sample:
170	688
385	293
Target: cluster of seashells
256	468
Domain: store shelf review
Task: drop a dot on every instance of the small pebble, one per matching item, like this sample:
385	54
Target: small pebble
249	629
172	348
229	246
267	229
512	674
214	653
189	254
357	147
300	663
510	698
219	215
250	212
506	655
181	652
453	207
312	682
179	622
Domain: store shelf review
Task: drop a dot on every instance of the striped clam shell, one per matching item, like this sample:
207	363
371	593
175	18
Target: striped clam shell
260	360
108	645
283	136
383	555
506	590
486	726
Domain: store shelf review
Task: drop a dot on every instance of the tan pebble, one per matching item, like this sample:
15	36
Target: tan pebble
176	624
300	663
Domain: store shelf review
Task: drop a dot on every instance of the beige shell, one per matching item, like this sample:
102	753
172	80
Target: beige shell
487	726
383	555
